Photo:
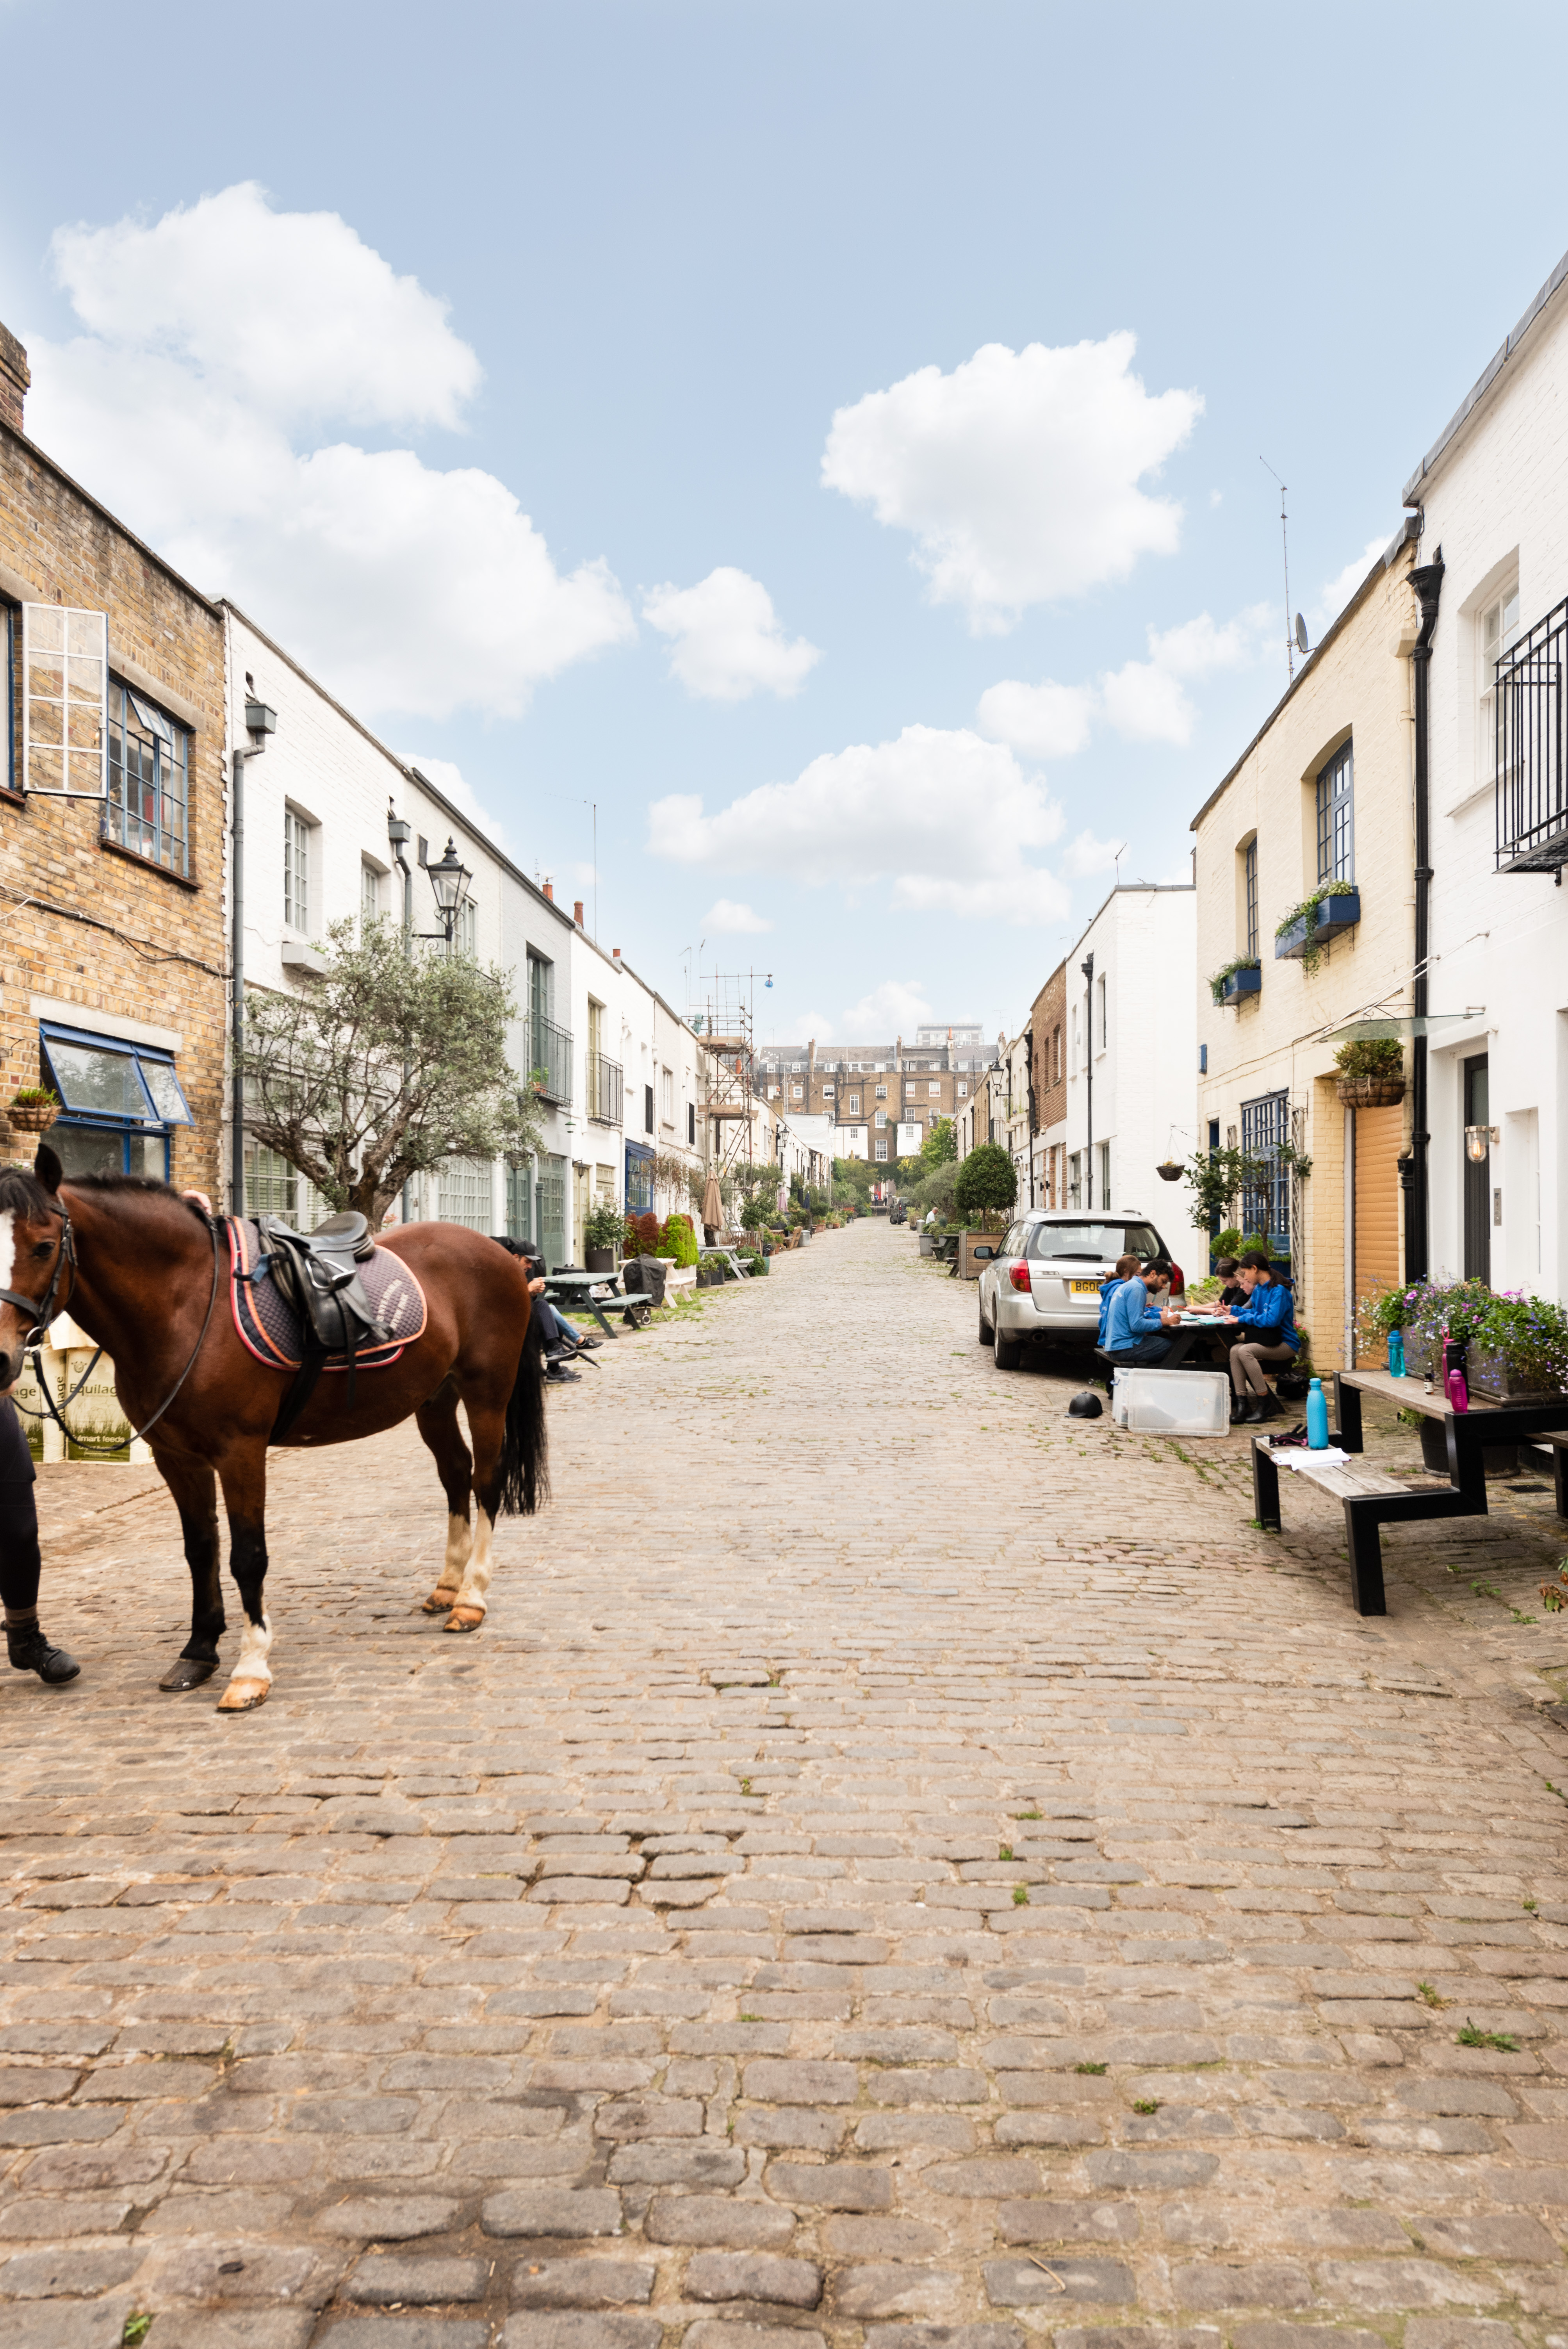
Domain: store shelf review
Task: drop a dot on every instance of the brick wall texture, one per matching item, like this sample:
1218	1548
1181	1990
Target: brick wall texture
160	957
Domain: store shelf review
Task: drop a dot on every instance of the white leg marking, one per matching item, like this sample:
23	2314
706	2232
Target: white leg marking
460	1543
252	1675
476	1581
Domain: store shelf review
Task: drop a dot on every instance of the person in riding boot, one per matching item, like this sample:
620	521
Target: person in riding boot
1267	1323
20	1562
558	1337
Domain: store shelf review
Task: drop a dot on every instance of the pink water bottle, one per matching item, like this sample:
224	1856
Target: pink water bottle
1454	1383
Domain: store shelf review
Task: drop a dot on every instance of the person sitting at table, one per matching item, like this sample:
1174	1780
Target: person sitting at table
1126	1267
1232	1294
1267	1321
1135	1323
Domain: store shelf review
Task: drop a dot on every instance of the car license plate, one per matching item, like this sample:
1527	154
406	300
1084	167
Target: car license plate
1085	1287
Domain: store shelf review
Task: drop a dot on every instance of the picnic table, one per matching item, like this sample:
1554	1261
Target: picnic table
1371	1499
575	1290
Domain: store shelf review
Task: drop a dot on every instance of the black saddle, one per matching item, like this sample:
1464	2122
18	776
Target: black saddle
318	1274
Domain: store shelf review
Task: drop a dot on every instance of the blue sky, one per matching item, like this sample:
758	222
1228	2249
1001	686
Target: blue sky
673	244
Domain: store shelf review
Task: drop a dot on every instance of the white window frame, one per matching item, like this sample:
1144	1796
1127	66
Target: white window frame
881	1153
1497	631
466	930
297	830
64	670
370	880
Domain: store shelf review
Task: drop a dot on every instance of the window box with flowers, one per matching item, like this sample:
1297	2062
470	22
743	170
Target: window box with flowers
1242	976
1316	923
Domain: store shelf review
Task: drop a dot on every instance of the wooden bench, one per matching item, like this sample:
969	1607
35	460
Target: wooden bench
1370	1499
1558	1446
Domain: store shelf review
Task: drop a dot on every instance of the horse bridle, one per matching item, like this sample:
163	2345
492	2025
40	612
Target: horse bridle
44	1312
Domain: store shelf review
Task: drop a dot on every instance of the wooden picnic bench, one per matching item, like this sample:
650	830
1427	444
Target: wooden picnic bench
1372	1500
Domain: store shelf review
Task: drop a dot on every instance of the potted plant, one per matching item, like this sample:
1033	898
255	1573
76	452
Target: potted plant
1242	976
601	1232
1518	1349
33	1109
1308	928
1371	1072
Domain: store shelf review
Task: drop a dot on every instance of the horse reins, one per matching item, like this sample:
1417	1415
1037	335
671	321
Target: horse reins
44	1313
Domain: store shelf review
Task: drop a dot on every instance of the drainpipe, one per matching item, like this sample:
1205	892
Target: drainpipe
1428	583
237	983
1087	967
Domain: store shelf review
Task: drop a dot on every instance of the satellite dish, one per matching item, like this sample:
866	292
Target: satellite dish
1301	644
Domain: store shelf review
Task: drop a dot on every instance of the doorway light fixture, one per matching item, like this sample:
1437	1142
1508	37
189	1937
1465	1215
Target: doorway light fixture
1480	1139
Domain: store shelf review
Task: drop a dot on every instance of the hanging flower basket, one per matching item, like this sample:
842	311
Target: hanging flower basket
33	1116
1370	1092
1171	1170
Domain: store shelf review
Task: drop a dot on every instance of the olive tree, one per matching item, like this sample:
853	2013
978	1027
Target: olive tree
384	1065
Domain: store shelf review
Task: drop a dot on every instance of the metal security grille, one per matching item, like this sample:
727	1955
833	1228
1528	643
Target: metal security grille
1335	818
606	1090
1265	1204
1531	802
1250	875
465	1194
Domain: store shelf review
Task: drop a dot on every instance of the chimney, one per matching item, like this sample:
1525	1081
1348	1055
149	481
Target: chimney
577	913
14	377
550	891
615	953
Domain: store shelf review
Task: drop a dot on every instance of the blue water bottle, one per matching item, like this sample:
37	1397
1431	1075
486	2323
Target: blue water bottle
1316	1417
1396	1353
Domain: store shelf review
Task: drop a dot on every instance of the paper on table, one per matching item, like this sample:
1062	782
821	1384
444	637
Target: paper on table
1301	1455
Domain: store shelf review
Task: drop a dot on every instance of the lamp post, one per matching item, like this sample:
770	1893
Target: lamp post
449	879
259	721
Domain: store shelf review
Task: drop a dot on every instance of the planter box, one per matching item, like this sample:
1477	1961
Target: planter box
1370	1092
927	1243
1489	1375
1336	915
598	1260
967	1243
1237	983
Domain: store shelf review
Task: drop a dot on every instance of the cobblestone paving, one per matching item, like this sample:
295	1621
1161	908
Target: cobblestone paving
898	1867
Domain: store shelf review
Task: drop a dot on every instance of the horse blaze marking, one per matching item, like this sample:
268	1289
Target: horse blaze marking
8	1248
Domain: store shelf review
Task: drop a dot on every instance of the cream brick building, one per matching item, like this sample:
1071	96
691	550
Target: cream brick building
1320	795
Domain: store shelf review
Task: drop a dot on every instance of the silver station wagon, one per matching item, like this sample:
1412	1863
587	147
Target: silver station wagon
1044	1280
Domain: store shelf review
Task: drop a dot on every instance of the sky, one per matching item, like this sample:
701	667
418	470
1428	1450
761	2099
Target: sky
831	449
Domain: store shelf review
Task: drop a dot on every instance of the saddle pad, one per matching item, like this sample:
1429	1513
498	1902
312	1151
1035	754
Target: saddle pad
270	1327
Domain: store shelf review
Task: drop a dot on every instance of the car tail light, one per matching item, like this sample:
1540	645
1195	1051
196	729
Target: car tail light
1178	1281
1018	1274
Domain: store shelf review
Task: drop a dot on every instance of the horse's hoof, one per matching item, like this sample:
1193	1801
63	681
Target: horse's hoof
464	1619
244	1696
438	1602
187	1672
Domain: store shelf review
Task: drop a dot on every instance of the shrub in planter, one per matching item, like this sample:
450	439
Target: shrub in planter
601	1233
678	1239
1371	1072
1226	1243
758	1263
986	1184
642	1236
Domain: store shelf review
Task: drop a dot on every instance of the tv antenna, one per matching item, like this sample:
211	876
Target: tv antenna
1291	637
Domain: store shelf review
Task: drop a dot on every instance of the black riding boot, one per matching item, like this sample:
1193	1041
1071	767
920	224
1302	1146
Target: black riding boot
30	1652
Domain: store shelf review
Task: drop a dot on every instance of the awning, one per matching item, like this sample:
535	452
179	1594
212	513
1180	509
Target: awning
1402	1026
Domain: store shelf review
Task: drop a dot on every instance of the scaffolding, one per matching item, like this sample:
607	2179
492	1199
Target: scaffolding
723	1015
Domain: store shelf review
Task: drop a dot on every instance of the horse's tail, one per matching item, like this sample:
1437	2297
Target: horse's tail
525	1463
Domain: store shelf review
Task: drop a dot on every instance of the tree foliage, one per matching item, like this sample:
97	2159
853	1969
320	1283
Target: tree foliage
941	1144
384	1066
987	1183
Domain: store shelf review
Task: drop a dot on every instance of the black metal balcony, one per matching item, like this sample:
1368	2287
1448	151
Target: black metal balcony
1528	712
550	1060
606	1090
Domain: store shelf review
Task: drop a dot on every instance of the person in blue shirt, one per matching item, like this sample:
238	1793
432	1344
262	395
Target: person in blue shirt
1135	1323
1125	1266
1267	1321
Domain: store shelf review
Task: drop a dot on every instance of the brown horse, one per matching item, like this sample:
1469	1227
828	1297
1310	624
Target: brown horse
143	1270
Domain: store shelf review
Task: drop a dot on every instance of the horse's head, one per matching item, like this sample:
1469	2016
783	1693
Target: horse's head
32	1256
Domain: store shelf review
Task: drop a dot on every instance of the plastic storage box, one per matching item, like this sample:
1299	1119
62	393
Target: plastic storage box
1172	1402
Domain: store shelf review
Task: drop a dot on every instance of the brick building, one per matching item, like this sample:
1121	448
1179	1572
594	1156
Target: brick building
1048	1069
883	1099
112	978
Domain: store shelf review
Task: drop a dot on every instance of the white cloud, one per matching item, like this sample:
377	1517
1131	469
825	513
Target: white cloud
1018	473
1042	721
726	637
222	343
1337	592
943	814
1085	855
728	918
897	1008
1146	701
450	781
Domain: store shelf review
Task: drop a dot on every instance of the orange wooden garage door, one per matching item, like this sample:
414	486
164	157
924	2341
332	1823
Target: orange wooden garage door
1379	1133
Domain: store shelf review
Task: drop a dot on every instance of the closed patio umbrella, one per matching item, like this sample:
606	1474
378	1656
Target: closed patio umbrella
712	1205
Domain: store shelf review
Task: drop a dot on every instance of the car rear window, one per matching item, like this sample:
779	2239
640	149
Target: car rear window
1095	1241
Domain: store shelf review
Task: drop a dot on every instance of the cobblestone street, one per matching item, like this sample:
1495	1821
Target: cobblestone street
898	1867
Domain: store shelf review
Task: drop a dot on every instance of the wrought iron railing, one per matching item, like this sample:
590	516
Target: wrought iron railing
1528	722
550	1059
606	1089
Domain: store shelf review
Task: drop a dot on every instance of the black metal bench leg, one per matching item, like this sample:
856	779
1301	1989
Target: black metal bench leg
1560	1477
1265	1489
1347	1412
1366	1547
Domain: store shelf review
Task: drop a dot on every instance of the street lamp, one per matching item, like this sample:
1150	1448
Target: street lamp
449	879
